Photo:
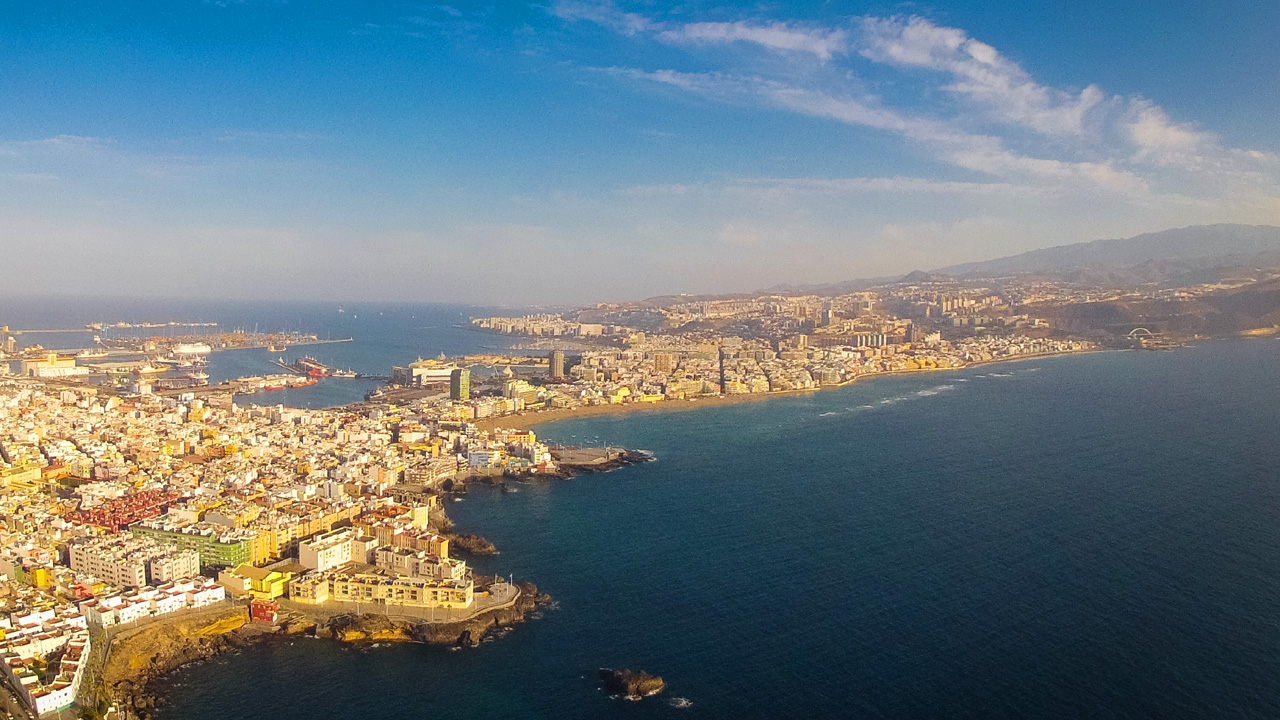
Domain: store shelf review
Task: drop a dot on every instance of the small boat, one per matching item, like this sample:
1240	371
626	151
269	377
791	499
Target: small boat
274	349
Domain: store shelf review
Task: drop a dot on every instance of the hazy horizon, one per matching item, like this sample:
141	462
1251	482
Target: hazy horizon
579	152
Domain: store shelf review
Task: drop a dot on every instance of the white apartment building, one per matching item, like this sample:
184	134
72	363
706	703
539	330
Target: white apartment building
126	561
334	548
420	563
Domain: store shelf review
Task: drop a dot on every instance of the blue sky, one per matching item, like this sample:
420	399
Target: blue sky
576	151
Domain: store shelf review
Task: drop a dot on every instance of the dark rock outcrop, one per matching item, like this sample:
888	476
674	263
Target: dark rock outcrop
631	683
472	544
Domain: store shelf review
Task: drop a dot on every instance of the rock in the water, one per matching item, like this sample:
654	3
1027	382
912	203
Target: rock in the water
472	544
631	683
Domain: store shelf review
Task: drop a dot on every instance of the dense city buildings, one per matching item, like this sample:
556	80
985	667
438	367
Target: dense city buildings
119	502
123	509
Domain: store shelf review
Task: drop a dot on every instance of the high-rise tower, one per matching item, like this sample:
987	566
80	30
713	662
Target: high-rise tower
557	365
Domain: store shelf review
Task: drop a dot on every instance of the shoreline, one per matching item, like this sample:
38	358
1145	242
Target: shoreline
535	419
141	689
140	660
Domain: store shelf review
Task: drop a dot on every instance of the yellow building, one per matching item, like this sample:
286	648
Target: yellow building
283	530
23	477
255	582
375	589
259	548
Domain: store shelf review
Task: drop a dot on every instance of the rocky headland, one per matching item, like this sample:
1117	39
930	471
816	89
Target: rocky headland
572	460
141	658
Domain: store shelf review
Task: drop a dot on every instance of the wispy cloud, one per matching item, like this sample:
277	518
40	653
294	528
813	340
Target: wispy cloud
1004	90
1113	143
980	73
981	153
822	42
65	144
605	14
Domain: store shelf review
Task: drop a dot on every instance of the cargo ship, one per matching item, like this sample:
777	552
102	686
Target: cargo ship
310	366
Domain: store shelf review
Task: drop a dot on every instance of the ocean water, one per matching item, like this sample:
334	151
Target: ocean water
1087	536
383	335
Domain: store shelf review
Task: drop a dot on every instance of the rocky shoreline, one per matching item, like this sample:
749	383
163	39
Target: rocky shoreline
141	662
623	459
569	466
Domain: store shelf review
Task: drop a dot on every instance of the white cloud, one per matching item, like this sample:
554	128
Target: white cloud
775	35
1008	93
980	73
605	14
1165	142
982	153
1125	145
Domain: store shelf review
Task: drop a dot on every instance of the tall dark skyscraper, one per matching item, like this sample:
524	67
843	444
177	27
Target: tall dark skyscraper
722	382
557	364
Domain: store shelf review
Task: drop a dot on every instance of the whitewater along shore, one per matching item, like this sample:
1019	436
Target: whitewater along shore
140	659
532	419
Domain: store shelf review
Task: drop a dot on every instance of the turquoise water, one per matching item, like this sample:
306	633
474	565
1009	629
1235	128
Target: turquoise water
1088	536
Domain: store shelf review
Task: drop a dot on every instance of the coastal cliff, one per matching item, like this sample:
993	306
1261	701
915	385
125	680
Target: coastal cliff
140	658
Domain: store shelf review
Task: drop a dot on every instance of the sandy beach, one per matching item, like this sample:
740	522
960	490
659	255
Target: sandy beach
533	419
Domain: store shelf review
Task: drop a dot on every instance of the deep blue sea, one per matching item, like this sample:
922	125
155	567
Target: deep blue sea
1090	536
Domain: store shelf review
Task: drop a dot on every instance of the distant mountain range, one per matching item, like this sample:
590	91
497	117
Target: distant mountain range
1185	256
1189	249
